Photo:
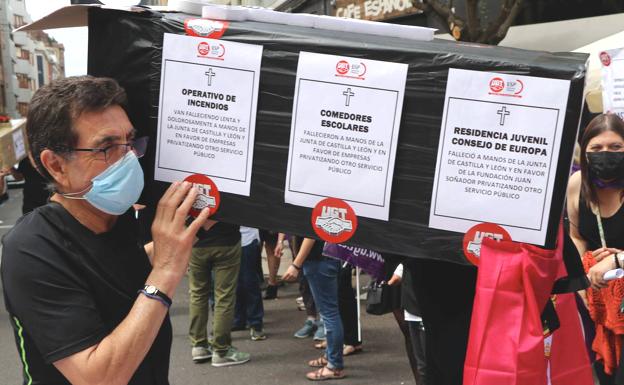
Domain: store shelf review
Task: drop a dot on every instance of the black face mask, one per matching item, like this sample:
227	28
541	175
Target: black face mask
606	165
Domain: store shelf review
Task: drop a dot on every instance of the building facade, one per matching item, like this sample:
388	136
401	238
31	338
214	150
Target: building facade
28	60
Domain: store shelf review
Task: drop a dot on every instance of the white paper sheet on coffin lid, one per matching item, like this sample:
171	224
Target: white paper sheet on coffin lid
331	23
74	16
77	16
225	12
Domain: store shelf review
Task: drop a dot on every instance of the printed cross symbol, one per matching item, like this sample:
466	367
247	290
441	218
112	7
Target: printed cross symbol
348	94
210	74
503	112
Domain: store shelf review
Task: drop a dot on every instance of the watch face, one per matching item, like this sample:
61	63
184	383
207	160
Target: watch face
150	289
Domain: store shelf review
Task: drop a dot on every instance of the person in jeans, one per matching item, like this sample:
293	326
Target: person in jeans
249	308
322	275
217	249
313	325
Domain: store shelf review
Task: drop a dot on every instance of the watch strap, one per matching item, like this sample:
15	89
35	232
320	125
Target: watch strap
153	293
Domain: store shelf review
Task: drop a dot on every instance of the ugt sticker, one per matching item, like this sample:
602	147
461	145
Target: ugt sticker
208	194
213	29
605	58
333	220
474	236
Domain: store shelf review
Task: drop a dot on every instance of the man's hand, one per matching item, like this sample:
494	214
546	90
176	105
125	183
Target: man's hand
172	239
394	280
596	272
291	274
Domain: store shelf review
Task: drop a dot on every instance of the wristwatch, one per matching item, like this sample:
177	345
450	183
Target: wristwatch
152	292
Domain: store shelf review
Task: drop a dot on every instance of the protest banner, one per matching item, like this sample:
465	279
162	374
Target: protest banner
498	152
370	261
207	112
120	35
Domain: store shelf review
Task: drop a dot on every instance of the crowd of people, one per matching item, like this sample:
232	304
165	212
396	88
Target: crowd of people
89	299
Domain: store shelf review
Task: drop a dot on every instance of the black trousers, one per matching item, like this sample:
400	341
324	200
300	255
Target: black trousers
348	306
446	306
417	336
306	293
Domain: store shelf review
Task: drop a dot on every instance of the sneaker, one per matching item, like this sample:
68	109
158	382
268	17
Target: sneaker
307	330
271	292
257	334
319	335
201	354
232	357
299	300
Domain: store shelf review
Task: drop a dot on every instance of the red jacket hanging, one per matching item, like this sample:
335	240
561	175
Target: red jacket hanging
506	343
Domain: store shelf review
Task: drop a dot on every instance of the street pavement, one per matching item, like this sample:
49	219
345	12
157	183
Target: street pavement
279	360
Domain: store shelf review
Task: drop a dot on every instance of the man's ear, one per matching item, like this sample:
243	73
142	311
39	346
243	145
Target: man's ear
55	165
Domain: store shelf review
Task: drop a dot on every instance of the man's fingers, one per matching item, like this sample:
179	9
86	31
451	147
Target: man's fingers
160	210
185	207
199	221
174	200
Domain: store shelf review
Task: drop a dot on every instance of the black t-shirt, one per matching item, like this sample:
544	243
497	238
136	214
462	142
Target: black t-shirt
67	288
220	234
612	226
316	253
35	190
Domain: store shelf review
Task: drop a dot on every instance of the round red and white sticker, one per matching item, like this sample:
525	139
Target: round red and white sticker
605	58
333	220
474	236
208	194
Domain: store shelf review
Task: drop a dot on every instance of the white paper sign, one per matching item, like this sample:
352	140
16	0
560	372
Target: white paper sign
344	131
612	71
207	115
18	144
498	152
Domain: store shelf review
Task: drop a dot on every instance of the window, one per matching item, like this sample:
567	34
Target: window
22	53
40	69
18	21
22	108
23	81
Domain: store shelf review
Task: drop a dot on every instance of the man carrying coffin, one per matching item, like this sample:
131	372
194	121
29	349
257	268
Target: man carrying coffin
88	303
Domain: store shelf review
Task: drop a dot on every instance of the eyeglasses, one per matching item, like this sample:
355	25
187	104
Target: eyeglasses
114	152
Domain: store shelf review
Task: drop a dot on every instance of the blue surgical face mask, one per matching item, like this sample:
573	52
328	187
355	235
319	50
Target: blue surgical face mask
117	188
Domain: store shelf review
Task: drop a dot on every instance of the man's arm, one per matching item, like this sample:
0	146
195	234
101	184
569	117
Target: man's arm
115	358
